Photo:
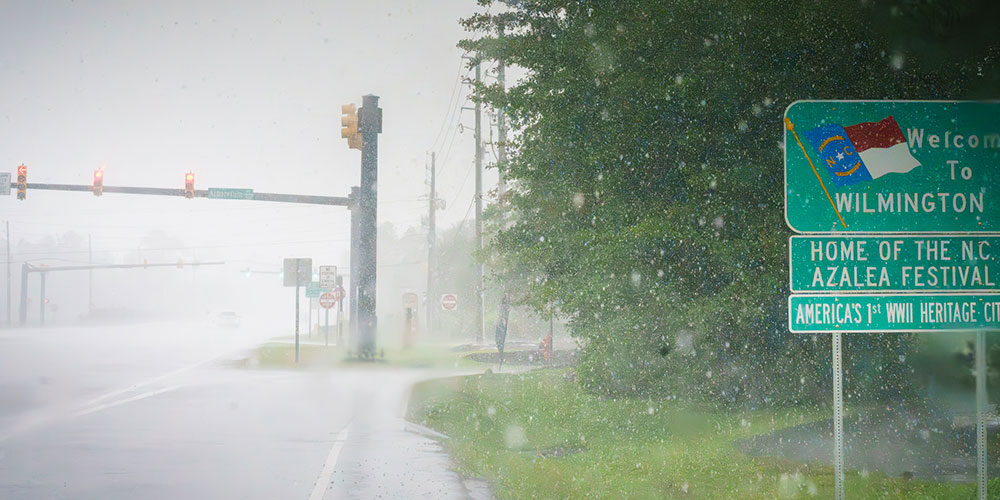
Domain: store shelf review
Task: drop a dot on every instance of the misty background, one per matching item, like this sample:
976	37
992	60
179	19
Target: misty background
244	96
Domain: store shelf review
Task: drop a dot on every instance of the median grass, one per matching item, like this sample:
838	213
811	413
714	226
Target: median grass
281	355
538	435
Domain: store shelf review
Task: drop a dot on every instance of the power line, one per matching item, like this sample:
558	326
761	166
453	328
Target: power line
451	109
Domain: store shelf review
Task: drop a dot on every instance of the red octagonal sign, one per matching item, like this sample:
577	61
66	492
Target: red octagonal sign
449	302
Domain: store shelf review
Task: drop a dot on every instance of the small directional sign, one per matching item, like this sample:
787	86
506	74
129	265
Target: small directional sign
893	313
4	183
890	264
230	194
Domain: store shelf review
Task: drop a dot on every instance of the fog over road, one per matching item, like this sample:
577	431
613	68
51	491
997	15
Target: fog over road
157	411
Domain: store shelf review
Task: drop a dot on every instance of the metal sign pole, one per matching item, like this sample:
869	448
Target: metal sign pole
298	271
838	418
326	330
981	401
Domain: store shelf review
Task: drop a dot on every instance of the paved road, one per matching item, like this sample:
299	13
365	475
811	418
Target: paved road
158	412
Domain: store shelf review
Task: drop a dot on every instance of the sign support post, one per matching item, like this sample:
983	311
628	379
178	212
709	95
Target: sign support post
295	273
298	266
838	417
981	400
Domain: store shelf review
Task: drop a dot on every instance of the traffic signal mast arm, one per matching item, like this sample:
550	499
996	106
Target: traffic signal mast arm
276	197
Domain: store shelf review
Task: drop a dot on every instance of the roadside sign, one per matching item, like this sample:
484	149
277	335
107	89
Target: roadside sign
410	300
892	166
449	302
327	277
339	293
296	272
893	313
889	263
327	300
4	183
313	290
230	194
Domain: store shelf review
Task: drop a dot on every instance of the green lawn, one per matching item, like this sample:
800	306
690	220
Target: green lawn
539	436
281	355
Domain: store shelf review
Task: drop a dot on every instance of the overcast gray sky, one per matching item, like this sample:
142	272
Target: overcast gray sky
245	94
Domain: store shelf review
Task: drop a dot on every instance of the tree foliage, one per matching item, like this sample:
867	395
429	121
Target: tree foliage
646	171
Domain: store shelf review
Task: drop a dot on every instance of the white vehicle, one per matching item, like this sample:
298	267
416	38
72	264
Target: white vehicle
227	319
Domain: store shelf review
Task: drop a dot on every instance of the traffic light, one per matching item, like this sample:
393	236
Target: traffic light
22	182
189	185
98	182
349	126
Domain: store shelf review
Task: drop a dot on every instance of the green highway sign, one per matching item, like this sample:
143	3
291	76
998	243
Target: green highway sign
892	166
893	313
230	194
890	263
313	290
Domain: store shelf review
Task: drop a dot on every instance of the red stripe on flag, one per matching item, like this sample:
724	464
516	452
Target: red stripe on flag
880	134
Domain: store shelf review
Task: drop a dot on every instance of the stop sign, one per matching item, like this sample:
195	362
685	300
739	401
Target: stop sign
327	300
449	302
338	293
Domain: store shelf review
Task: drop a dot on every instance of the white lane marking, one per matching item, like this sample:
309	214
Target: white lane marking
95	409
158	378
323	481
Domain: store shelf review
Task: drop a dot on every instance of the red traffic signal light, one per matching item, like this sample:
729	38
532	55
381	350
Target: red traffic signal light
22	182
98	182
189	185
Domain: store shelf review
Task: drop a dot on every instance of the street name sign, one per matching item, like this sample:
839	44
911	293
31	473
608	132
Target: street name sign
327	277
313	290
892	166
893	313
4	183
296	272
230	194
893	264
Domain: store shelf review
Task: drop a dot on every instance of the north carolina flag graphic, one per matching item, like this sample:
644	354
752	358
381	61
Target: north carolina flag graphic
862	152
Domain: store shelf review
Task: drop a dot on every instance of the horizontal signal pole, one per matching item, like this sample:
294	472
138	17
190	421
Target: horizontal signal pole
27	269
39	269
201	193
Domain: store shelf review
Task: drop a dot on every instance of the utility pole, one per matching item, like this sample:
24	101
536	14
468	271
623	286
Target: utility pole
371	126
355	250
22	310
41	301
480	299
502	132
431	237
340	314
10	320
90	277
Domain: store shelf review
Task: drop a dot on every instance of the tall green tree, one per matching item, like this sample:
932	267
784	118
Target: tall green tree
647	172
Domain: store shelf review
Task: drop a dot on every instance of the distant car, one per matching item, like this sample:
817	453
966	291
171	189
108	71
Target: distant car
228	319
